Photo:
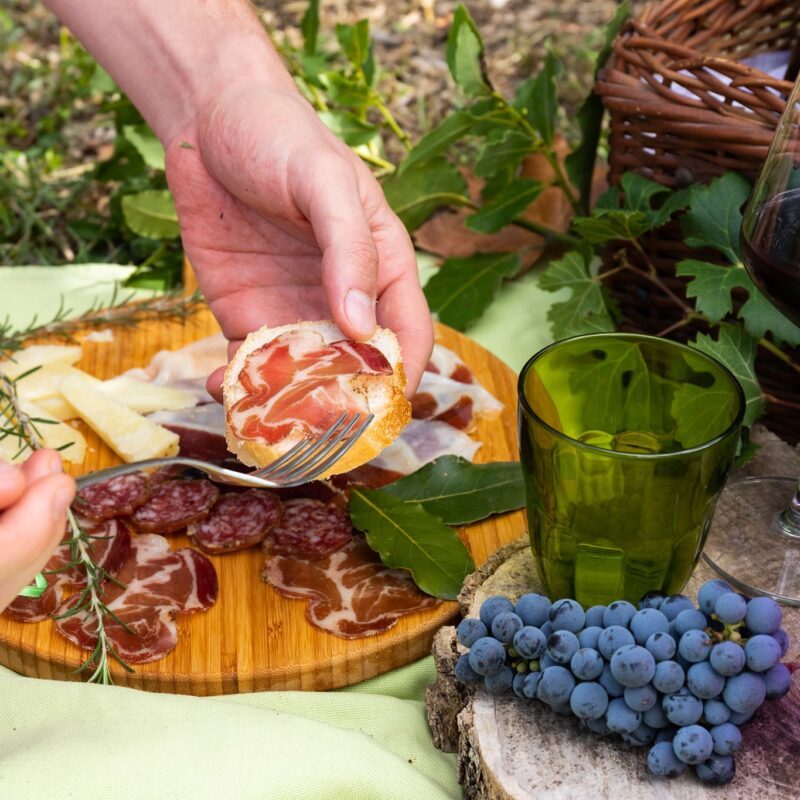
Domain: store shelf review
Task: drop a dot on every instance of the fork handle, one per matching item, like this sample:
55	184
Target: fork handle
124	469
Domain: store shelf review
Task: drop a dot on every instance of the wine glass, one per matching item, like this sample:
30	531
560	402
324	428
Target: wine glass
756	543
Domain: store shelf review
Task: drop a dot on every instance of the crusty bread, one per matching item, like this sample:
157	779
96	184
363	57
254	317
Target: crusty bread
384	396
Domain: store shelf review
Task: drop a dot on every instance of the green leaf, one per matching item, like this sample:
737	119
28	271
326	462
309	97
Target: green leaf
639	192
458	491
345	92
504	150
580	162
612	226
348	127
309	27
498	213
585	311
151	214
714	218
407	537
463	288
146	143
737	351
415	193
356	45
465	54
537	98
699	410
452	128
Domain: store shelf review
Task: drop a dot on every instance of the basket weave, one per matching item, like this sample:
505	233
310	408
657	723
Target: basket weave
673	119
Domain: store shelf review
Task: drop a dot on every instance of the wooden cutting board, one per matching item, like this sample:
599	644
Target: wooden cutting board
253	639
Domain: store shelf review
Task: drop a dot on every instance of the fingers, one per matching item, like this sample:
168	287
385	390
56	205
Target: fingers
41	464
12	484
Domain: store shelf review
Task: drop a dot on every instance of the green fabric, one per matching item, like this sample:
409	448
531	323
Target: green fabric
371	741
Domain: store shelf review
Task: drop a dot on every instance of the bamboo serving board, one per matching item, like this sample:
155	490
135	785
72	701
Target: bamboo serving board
253	639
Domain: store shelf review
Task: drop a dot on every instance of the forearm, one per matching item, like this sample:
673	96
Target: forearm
171	57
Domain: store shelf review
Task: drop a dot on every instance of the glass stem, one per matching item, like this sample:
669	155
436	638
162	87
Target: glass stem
788	521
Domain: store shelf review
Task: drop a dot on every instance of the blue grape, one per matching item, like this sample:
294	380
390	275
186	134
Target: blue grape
505	625
763	615
727	738
727	658
588	636
464	671
588	700
633	665
546	628
667	734
744	692
716	712
518	684
730	608
669	677
662	761
643	736
655	717
782	638
619	613
682	707
641	698
688	620
529	642
693	744
709	593
652	599
662	646
612	686
493	606
586	664
533	609
567	615
778	681
470	630
564	709
703	682
562	645
646	622
546	661
598	726
620	718
530	684
594	617
716	770
694	646
499	682
612	638
674	604
555	686
487	656
739	719
762	652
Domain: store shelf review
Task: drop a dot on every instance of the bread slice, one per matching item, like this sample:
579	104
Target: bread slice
383	396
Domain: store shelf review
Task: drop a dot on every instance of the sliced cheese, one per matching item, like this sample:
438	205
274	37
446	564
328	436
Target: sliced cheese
51	433
57	406
146	397
39	355
44	382
127	433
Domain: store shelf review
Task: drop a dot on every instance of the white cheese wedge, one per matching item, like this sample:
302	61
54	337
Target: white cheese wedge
52	433
38	355
57	406
126	432
44	382
146	397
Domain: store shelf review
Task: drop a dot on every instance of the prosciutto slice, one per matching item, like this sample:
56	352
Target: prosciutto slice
445	399
157	585
446	363
296	382
350	592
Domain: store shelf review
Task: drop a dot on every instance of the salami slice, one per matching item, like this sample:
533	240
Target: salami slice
238	520
175	504
116	497
309	529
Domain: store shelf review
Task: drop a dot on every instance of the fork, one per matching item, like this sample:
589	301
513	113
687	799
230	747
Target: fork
304	462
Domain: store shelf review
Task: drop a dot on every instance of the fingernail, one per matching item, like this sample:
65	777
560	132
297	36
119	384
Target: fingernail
55	464
61	501
359	308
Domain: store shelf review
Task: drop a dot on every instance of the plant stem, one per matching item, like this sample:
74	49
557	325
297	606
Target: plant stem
778	353
377	161
651	274
681	323
390	120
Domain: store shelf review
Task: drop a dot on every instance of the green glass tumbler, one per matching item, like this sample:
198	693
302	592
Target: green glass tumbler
626	441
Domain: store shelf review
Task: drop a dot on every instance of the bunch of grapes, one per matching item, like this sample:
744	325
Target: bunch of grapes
669	676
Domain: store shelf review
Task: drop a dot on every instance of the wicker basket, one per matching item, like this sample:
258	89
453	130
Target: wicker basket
675	120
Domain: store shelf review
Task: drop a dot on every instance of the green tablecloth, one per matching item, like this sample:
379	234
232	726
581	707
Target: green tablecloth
371	741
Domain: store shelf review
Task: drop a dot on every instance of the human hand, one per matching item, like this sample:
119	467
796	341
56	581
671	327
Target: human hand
33	506
283	222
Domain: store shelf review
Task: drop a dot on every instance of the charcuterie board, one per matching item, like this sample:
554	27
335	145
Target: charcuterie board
253	639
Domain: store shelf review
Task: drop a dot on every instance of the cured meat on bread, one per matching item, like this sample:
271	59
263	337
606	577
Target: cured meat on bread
290	383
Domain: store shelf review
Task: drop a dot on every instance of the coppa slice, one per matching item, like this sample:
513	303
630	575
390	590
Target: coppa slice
175	504
310	529
116	497
290	383
236	521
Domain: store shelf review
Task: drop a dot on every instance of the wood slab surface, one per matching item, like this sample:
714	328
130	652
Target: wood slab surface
254	639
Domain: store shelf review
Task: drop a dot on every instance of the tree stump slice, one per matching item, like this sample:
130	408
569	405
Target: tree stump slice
512	750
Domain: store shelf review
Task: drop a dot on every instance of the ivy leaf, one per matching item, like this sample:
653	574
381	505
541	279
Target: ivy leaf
736	349
537	98
151	214
498	213
452	128
463	288
714	218
458	491
408	537
502	151
585	311
415	193
465	54
146	143
309	27
348	127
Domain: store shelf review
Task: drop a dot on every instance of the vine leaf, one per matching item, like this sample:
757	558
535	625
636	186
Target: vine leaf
463	288
151	214
465	54
498	213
